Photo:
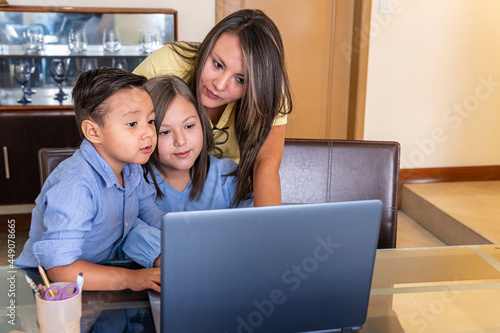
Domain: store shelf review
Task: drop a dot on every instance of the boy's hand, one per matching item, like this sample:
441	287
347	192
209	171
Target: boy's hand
100	277
157	262
147	278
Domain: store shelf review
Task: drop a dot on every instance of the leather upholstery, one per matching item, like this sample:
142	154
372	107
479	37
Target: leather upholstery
49	158
317	171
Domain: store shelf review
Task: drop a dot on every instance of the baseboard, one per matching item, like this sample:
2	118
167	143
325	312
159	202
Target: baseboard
449	174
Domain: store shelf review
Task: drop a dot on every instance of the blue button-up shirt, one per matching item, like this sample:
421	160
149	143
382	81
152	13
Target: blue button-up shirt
143	243
83	213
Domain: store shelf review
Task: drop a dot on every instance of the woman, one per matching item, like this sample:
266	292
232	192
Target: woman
238	75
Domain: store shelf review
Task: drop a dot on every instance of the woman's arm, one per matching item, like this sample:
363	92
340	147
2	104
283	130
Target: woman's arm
266	178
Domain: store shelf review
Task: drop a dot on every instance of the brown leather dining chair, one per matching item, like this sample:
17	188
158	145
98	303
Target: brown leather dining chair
49	159
318	171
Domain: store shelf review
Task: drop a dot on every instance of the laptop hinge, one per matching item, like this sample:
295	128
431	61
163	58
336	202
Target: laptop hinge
347	330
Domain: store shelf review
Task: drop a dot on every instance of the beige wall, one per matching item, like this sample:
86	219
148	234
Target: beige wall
194	17
433	74
434	81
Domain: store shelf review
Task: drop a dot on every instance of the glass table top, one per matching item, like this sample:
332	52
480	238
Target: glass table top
442	289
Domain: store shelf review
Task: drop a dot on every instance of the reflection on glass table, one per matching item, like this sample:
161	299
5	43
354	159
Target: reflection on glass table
442	289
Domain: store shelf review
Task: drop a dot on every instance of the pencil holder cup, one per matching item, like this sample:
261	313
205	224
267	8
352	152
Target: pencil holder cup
59	316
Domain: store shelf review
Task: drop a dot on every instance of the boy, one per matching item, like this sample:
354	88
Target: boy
91	200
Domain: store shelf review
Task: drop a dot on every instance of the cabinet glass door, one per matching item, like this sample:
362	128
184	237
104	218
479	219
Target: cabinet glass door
81	38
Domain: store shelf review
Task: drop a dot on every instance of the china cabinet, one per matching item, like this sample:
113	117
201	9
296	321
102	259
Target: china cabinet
56	44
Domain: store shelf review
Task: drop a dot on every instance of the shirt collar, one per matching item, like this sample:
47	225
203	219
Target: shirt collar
132	173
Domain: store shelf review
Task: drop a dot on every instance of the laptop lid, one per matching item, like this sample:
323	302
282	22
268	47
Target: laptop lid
296	268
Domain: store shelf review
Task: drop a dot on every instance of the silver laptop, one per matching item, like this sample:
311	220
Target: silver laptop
296	268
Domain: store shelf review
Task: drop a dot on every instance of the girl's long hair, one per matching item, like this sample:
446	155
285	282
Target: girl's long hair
163	90
266	88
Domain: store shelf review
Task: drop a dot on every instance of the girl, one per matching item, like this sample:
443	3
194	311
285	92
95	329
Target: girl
238	75
184	175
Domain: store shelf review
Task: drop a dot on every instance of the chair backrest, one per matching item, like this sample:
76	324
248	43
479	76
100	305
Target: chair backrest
316	171
49	159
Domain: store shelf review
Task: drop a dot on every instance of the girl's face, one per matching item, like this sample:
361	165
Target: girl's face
222	79
180	138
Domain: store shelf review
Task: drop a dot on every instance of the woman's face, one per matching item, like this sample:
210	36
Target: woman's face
222	79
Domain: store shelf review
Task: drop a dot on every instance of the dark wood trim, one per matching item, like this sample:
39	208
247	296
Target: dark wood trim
449	174
111	10
13	111
359	68
22	223
92	10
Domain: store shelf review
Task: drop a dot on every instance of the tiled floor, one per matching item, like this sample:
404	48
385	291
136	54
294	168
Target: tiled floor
456	212
475	204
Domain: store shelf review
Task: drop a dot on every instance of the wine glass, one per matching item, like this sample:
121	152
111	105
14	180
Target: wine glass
30	41
147	41
77	41
59	69
111	41
120	63
89	64
30	91
22	73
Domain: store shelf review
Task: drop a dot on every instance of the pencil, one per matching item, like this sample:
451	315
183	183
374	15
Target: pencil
40	286
45	280
33	286
42	292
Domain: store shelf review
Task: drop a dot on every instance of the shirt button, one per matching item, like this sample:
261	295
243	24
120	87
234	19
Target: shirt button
126	224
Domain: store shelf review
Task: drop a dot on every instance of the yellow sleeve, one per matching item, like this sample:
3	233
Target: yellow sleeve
163	61
146	68
280	119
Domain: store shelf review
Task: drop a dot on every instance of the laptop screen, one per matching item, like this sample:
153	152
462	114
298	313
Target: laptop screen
297	268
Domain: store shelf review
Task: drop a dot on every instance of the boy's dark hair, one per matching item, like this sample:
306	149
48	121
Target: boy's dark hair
95	86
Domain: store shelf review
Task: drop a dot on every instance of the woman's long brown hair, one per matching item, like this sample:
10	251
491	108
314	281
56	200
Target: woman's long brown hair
266	89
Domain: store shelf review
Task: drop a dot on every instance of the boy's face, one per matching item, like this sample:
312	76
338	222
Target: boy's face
180	138
128	134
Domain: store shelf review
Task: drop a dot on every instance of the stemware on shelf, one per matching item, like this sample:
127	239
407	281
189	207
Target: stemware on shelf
29	90
111	41
89	64
22	73
59	70
77	41
120	63
148	41
33	40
